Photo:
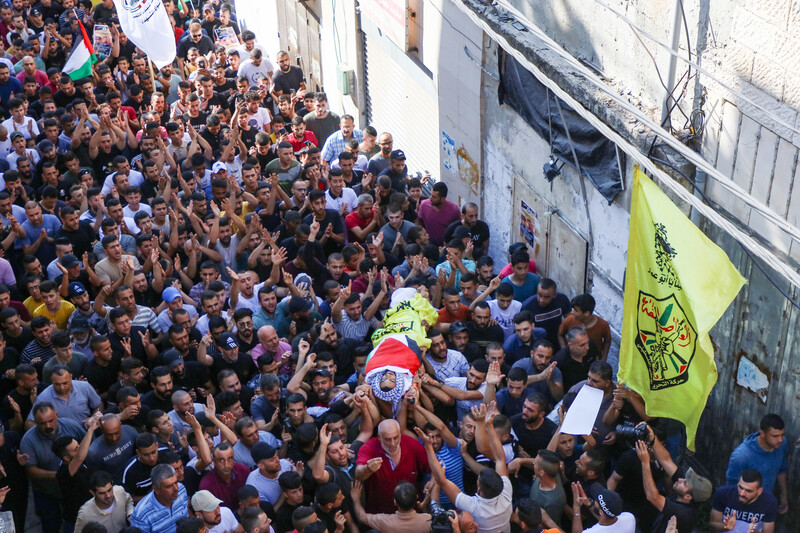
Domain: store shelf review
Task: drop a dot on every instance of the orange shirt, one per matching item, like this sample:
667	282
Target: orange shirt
463	315
600	332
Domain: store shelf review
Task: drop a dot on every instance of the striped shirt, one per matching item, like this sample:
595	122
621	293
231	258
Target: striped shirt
268	489
151	516
453	466
335	144
453	367
349	329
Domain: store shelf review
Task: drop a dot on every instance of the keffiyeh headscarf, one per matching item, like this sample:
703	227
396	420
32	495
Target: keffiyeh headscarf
395	395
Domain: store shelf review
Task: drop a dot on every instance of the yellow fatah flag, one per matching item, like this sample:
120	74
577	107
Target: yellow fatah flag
678	284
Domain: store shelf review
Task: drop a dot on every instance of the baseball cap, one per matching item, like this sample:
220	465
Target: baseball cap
69	261
398	155
80	324
298	305
227	340
204	501
302	279
261	451
207	7
84	171
702	488
610	502
35	12
170	293
45	145
322	372
171	358
219	166
75	288
458	327
15	134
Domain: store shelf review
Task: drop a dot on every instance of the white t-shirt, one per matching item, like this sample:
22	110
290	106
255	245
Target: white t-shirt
13	156
626	523
249	303
135	179
348	197
505	318
260	119
12	126
491	516
227	523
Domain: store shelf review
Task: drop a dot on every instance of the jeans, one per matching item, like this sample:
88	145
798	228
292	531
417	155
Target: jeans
48	509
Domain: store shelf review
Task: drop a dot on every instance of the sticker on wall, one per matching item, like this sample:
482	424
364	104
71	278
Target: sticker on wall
449	152
752	378
528	224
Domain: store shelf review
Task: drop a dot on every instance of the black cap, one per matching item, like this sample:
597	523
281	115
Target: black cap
298	305
261	451
458	327
69	261
398	155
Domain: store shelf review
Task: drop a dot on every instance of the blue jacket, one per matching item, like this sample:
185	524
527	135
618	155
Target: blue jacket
749	454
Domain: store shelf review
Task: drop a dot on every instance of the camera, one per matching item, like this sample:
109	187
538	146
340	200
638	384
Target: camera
630	431
287	424
440	518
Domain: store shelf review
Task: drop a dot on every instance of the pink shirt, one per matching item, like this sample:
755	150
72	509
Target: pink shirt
435	221
40	77
283	347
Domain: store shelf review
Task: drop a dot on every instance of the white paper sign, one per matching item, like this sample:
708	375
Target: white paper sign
582	414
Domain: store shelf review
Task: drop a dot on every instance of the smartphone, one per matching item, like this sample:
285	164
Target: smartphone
201	64
309	143
292	92
282	131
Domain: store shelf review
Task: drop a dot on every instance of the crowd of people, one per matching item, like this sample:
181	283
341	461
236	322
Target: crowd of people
197	264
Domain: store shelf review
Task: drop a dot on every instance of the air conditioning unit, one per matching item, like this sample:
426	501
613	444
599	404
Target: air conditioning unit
345	79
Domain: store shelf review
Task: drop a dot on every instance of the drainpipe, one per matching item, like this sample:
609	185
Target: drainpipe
673	60
699	188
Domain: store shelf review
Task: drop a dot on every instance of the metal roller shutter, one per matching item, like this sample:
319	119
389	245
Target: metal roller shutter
395	103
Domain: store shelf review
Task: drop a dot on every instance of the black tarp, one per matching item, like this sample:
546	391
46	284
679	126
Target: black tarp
596	154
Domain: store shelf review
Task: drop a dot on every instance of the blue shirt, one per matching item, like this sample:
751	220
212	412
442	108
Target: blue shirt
527	289
750	454
152	517
46	251
468	263
335	144
79	406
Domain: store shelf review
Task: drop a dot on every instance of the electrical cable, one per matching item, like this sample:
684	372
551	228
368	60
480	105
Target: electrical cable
753	259
724	181
757	248
731	91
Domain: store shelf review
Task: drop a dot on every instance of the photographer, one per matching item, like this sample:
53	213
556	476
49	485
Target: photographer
404	520
685	492
491	506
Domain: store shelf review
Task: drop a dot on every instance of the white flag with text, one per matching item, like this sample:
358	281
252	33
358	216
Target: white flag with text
146	24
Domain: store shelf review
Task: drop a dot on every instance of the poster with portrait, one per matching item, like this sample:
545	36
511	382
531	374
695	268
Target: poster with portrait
527	224
101	41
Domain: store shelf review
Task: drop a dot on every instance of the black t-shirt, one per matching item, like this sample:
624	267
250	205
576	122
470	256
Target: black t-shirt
195	376
549	317
533	440
286	81
102	377
571	370
764	509
10	360
74	490
631	488
198	122
243	366
81	238
103	163
136	478
684	512
204	45
137	348
19	343
480	233
154	402
333	218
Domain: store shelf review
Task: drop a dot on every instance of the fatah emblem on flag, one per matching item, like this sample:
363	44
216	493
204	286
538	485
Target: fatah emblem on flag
666	340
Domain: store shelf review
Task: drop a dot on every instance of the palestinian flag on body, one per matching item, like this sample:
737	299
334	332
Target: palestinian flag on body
398	353
79	64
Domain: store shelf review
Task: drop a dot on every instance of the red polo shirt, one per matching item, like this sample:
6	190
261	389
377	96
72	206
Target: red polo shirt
379	487
353	220
226	490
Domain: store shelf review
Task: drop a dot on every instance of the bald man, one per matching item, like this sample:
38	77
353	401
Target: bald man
271	345
386	460
113	451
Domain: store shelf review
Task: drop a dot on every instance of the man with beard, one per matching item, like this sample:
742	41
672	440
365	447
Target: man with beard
268	313
533	432
384	461
331	463
322	392
270	467
442	362
287	78
102	370
228	381
136	476
79	297
127	340
42	464
249	437
215	517
160	425
464	392
481	329
227	476
129	407
182	407
271	346
110	506
229	349
189	376
478	229
113	450
544	376
74	399
437	213
458	338
161	395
